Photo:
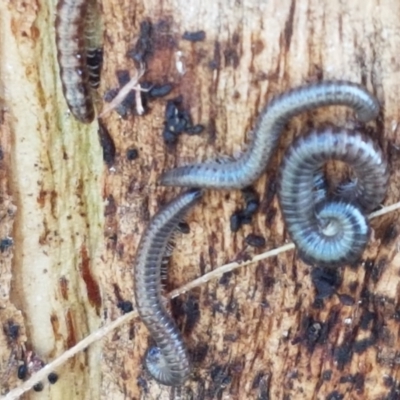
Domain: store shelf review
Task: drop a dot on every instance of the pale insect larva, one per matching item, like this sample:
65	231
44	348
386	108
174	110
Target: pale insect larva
244	171
74	33
169	362
331	230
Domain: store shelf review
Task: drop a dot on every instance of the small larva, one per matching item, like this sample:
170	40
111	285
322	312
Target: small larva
169	362
72	35
331	230
247	169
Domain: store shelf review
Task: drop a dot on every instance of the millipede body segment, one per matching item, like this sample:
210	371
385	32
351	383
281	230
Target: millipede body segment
169	362
244	171
331	228
74	30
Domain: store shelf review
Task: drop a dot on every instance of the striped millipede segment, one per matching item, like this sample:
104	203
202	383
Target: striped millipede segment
248	168
71	40
332	228
169	362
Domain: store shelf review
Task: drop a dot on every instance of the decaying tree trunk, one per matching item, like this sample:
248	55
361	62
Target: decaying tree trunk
70	223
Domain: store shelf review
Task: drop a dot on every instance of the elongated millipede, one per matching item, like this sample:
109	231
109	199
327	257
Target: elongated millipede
247	169
74	32
331	229
169	362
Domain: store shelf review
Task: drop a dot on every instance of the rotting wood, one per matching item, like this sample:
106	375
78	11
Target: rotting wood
256	333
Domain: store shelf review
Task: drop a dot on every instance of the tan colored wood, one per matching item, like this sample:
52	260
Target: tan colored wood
54	174
258	333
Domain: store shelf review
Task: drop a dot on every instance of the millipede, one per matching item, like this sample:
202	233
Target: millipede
168	362
248	168
79	58
331	228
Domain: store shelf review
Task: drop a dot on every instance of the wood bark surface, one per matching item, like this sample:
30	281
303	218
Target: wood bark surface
265	331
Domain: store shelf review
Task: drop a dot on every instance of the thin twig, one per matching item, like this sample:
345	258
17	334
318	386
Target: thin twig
133	84
42	374
385	210
105	330
216	273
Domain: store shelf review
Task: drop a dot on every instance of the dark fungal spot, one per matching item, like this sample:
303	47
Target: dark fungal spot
313	333
38	387
132	154
388	380
231	56
246	219
196	36
394	393
353	286
244	216
192	311
361	345
52	378
390	233
143	48
249	194
170	138
327	375
357	380
11	330
178	121
109	95
107	144
343	354
5	244
257	379
236	221
225	278
22	371
171	108
346	300
378	268
160	90
142	383
251	207
255	240
122	77
195	130
125	306
216	60
199	353
335	395
184	228
326	281
188	309
218	373
252	201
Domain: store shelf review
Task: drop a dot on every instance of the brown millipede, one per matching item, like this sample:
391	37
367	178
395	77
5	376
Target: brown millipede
169	362
74	33
245	170
331	228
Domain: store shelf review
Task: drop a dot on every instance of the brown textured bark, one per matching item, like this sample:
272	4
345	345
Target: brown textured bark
258	333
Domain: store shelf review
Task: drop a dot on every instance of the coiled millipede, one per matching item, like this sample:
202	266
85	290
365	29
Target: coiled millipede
331	228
